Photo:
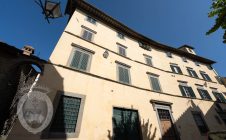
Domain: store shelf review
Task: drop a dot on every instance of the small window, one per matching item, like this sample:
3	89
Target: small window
200	122
154	80
184	59
91	20
192	73
120	35
121	50
126	124
186	91
80	60
204	94
205	76
219	97
144	46
197	63
66	116
123	74
87	35
148	60
169	54
176	69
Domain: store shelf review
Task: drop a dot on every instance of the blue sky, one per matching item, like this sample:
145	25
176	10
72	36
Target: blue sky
174	22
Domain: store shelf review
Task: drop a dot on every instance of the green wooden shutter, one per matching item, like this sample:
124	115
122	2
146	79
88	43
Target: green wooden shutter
121	74
85	34
179	70
76	59
84	61
189	72
172	67
207	77
195	74
222	97
192	94
89	36
207	94
200	92
148	61
182	90
126	76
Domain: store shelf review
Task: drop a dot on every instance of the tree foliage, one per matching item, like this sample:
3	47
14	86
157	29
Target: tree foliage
219	11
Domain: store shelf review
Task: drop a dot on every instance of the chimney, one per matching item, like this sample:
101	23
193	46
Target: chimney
28	50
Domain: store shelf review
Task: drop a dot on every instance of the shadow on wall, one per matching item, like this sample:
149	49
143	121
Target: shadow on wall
129	128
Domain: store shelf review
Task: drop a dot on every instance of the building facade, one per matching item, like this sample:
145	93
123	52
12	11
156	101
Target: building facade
109	82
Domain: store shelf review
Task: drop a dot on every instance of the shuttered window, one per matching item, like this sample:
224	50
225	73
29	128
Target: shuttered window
148	60
121	50
192	73
155	85
204	94
80	60
126	124
205	76
176	69
200	122
87	35
123	74
65	118
219	97
169	54
187	91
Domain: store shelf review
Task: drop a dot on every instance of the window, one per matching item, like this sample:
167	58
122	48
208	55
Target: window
186	90
121	50
197	63
219	97
148	60
87	33
81	59
91	20
204	93
120	35
126	125
192	73
200	122
205	76
176	69
169	54
154	81
184	59
123	73
144	46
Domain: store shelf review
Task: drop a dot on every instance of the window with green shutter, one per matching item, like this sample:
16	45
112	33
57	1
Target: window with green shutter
192	73
123	74
148	60
80	60
187	91
219	97
154	81
176	69
205	76
87	35
200	122
126	125
65	118
204	94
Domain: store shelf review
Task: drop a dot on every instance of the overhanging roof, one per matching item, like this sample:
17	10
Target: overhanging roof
101	16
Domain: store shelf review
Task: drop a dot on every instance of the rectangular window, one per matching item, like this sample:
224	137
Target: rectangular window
200	122
120	35
126	125
204	94
87	35
66	116
169	54
205	76
123	74
192	73
91	20
121	50
186	91
219	97
80	60
154	80
176	69
148	60
144	46
184	59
